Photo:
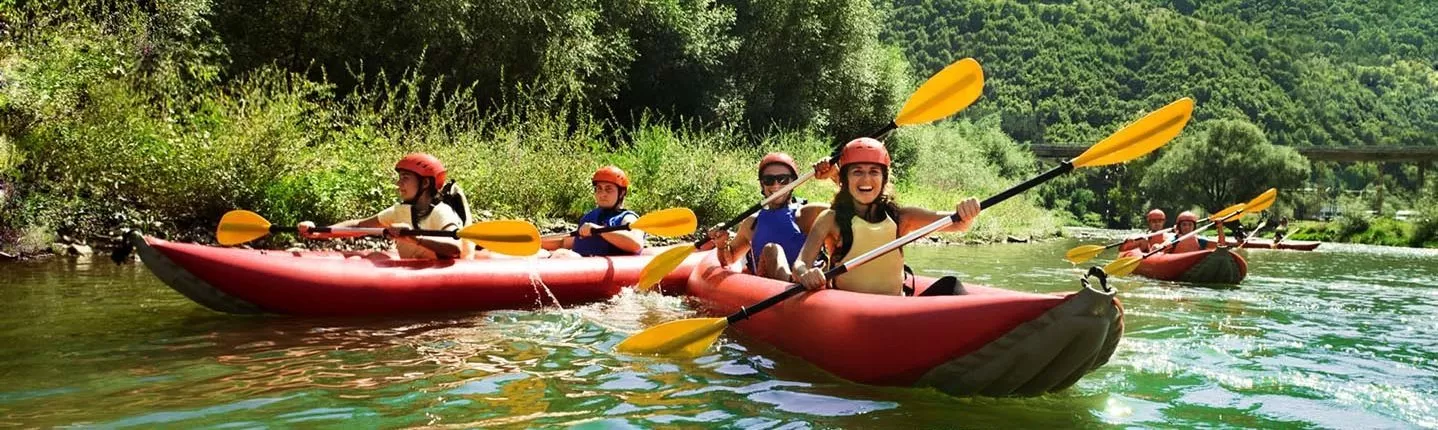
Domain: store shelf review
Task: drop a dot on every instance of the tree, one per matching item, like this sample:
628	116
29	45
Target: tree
1228	162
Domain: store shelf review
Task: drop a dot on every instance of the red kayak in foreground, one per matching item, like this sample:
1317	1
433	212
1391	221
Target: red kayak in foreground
990	341
1211	266
248	281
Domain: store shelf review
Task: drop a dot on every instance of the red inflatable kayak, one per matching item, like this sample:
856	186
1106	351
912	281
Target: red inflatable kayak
989	341
246	281
1212	266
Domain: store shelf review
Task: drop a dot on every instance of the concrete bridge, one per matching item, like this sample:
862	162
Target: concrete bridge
1424	156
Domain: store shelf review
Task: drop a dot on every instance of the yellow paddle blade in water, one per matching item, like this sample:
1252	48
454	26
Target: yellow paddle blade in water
240	226
661	265
667	223
950	90
1083	253
1139	138
1122	267
510	237
1262	202
688	337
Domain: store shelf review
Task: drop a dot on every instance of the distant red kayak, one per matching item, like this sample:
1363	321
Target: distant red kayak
989	341
246	281
1212	266
1295	245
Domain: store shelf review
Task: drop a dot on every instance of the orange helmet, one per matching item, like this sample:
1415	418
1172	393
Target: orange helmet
1187	216
778	158
424	165
1157	214
611	174
864	150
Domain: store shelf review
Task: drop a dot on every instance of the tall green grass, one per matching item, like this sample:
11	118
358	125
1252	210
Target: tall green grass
90	143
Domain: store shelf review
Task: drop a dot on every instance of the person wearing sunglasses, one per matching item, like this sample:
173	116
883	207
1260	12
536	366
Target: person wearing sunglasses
770	239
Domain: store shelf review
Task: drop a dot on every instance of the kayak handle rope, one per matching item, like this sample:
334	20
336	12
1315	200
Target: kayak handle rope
1096	272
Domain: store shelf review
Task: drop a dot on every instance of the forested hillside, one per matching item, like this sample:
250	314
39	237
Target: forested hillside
1308	72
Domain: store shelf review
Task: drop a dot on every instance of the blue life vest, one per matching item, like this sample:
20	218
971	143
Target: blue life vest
779	226
596	245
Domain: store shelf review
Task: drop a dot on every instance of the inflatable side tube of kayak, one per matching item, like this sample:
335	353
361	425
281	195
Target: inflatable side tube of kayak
1047	354
186	283
1221	266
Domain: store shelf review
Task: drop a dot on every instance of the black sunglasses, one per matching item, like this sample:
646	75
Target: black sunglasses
772	179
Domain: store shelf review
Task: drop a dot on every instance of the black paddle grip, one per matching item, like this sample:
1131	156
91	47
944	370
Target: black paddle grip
1066	167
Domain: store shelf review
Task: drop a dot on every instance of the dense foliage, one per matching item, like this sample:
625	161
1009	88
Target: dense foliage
1223	162
1308	72
164	116
116	113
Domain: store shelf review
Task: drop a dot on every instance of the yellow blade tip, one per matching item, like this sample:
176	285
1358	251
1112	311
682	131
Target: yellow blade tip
1122	266
661	265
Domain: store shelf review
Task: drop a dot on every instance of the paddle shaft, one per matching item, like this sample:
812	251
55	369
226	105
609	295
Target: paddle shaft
793	289
1254	233
592	232
833	158
452	234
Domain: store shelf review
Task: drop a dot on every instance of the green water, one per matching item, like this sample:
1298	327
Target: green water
1345	337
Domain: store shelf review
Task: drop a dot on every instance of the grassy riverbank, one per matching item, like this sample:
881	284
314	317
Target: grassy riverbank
1379	231
93	139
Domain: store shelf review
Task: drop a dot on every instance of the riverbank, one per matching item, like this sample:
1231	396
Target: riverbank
1378	231
93	140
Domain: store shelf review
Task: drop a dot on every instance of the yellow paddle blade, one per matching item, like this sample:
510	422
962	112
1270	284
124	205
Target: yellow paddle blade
667	223
240	226
1262	202
1083	253
1227	212
510	237
688	338
1141	137
1122	267
661	265
950	90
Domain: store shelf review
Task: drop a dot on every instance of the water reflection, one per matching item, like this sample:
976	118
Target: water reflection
1343	337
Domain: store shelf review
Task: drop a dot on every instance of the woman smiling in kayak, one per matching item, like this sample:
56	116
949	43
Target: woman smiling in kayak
420	178
863	217
611	185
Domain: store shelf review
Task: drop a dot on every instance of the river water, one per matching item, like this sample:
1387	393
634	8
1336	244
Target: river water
1343	337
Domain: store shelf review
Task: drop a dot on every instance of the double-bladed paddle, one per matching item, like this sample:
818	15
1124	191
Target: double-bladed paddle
511	237
944	94
667	223
693	336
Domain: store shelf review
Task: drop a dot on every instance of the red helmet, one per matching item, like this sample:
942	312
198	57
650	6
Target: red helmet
778	158
611	174
1187	216
864	150
424	165
1157	214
